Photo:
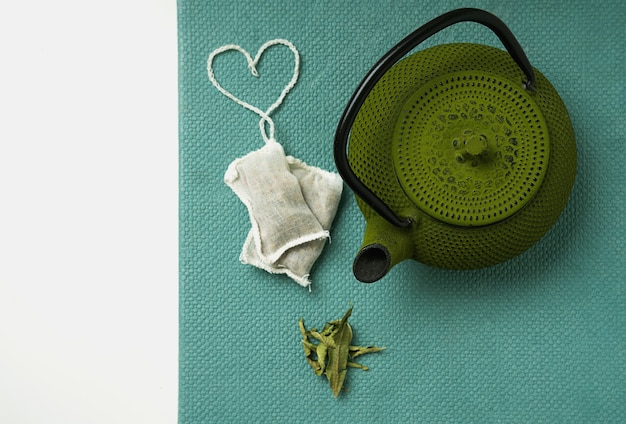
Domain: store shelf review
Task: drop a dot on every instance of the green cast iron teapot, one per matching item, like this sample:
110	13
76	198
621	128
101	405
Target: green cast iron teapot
461	156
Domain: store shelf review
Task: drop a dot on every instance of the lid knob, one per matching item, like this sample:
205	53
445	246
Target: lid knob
475	145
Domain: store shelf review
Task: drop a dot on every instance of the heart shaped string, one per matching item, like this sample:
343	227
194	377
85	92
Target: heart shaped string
252	65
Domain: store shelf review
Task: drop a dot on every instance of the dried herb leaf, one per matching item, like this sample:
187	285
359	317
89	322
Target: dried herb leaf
333	353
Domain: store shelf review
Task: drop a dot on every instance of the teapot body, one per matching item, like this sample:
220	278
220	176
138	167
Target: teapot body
437	235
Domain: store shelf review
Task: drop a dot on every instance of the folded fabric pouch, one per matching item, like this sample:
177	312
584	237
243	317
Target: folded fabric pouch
291	207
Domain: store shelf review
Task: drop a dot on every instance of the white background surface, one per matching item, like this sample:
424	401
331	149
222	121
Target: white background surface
88	212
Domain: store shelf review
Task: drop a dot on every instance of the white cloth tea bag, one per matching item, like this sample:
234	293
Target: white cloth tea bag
291	205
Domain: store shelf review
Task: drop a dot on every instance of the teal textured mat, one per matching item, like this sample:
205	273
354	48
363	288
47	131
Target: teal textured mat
540	338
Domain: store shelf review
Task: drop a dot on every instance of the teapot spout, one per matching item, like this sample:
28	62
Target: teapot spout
384	245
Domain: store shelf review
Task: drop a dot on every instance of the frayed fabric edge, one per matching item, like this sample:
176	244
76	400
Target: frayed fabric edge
302	280
321	235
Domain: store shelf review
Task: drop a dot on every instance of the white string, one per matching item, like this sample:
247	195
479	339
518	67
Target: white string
252	64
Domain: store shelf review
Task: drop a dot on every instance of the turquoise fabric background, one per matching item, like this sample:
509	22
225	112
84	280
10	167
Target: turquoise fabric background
540	338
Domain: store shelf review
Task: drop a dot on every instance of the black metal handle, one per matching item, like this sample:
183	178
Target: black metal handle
385	63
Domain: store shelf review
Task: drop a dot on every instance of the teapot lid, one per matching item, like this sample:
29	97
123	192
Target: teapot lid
470	148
